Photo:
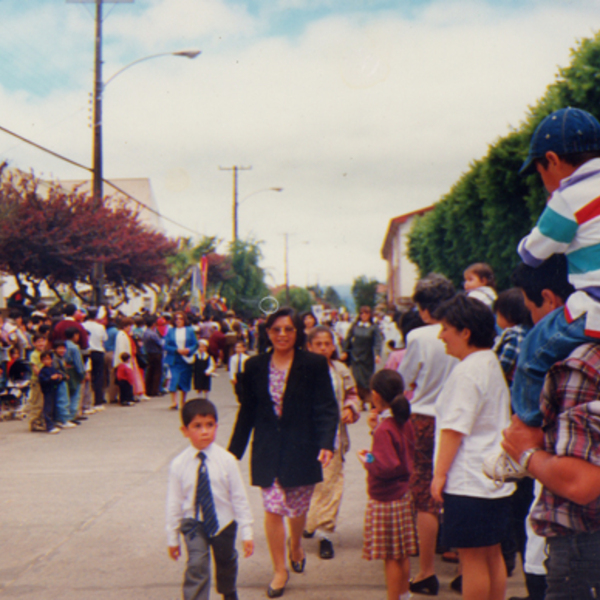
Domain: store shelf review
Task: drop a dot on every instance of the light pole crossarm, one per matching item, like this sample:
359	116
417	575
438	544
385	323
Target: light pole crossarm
185	53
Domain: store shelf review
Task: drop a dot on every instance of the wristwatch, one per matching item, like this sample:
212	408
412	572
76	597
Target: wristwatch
526	457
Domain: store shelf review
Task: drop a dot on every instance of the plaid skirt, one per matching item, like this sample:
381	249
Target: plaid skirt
390	529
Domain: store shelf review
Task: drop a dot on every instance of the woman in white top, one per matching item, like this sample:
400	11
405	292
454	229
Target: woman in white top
472	410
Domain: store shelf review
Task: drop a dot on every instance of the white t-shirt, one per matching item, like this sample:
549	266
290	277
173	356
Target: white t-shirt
427	366
475	402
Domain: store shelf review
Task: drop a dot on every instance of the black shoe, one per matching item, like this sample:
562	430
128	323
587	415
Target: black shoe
82	418
307	534
75	422
326	549
277	592
429	586
297	565
456	584
126	403
232	596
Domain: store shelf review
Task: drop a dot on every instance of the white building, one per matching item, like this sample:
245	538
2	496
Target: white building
402	273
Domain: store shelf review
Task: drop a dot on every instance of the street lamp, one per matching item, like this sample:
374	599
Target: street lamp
236	204
98	175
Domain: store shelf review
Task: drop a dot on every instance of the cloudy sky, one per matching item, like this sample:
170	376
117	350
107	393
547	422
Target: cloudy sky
361	110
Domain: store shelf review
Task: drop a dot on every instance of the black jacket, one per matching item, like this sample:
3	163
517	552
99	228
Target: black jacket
286	448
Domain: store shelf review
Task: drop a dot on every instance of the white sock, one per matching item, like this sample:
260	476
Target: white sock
405	596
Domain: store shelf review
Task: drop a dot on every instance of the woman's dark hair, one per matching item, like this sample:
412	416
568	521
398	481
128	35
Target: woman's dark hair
511	305
308	313
287	311
410	320
484	272
181	314
433	290
390	386
463	312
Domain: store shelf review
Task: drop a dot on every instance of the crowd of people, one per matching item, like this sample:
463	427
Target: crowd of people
483	408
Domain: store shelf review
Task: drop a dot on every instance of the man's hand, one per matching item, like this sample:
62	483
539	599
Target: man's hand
348	416
520	437
174	552
248	546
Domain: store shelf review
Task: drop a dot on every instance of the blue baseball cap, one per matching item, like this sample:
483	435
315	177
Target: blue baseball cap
565	131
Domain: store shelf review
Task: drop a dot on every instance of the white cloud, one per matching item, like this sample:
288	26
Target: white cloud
359	120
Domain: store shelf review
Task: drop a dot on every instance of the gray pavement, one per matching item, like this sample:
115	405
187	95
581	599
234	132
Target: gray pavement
82	514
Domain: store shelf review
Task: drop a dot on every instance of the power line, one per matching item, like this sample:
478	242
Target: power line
91	170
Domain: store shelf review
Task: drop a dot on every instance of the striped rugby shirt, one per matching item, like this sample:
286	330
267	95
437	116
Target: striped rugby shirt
570	225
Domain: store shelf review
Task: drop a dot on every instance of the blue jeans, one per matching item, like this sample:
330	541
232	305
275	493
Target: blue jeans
63	413
573	566
551	340
74	397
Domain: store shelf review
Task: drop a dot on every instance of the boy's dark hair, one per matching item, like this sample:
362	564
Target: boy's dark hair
45	353
433	290
410	320
463	312
37	336
551	275
44	329
71	332
92	312
125	356
198	407
390	386
70	310
150	320
59	344
511	305
484	272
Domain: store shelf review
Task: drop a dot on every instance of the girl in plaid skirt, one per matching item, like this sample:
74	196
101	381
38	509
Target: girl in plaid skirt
390	530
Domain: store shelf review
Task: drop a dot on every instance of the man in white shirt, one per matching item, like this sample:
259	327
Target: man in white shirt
206	503
96	337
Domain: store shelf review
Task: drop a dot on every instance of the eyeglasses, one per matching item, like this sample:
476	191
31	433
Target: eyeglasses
278	330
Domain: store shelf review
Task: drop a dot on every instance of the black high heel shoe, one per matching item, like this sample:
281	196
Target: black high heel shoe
430	586
277	592
297	565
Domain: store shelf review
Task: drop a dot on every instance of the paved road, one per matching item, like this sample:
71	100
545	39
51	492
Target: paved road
82	514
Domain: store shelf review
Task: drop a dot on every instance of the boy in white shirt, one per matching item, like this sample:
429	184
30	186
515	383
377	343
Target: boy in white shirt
236	368
206	503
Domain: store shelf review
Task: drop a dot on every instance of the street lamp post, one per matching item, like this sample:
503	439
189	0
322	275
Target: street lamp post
99	86
237	203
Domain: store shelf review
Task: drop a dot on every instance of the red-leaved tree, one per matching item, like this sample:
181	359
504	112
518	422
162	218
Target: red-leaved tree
57	237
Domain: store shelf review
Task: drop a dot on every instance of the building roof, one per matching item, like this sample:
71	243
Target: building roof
393	228
137	188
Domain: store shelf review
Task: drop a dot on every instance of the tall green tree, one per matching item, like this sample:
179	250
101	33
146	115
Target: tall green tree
364	292
300	299
246	286
491	207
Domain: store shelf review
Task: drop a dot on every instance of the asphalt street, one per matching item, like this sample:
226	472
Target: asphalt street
82	514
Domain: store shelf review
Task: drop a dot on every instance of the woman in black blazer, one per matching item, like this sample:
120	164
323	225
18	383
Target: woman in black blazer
289	402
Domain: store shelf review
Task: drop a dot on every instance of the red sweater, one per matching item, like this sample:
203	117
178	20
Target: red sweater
393	451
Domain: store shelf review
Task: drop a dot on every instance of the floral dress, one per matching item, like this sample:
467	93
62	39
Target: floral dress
287	502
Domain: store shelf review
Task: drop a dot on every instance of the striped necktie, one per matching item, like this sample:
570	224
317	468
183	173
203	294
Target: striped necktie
204	499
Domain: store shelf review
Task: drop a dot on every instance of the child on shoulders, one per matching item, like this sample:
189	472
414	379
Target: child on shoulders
480	283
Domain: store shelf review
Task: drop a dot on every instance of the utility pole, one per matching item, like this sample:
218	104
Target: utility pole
97	274
235	170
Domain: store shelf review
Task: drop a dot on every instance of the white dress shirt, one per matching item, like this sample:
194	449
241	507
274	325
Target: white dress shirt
229	493
97	335
426	366
234	364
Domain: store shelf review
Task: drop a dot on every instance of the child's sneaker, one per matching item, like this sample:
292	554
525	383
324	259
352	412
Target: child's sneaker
502	468
67	425
54	430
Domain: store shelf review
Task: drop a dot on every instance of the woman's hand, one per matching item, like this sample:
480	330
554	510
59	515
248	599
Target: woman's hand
184	351
348	416
438	484
325	457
